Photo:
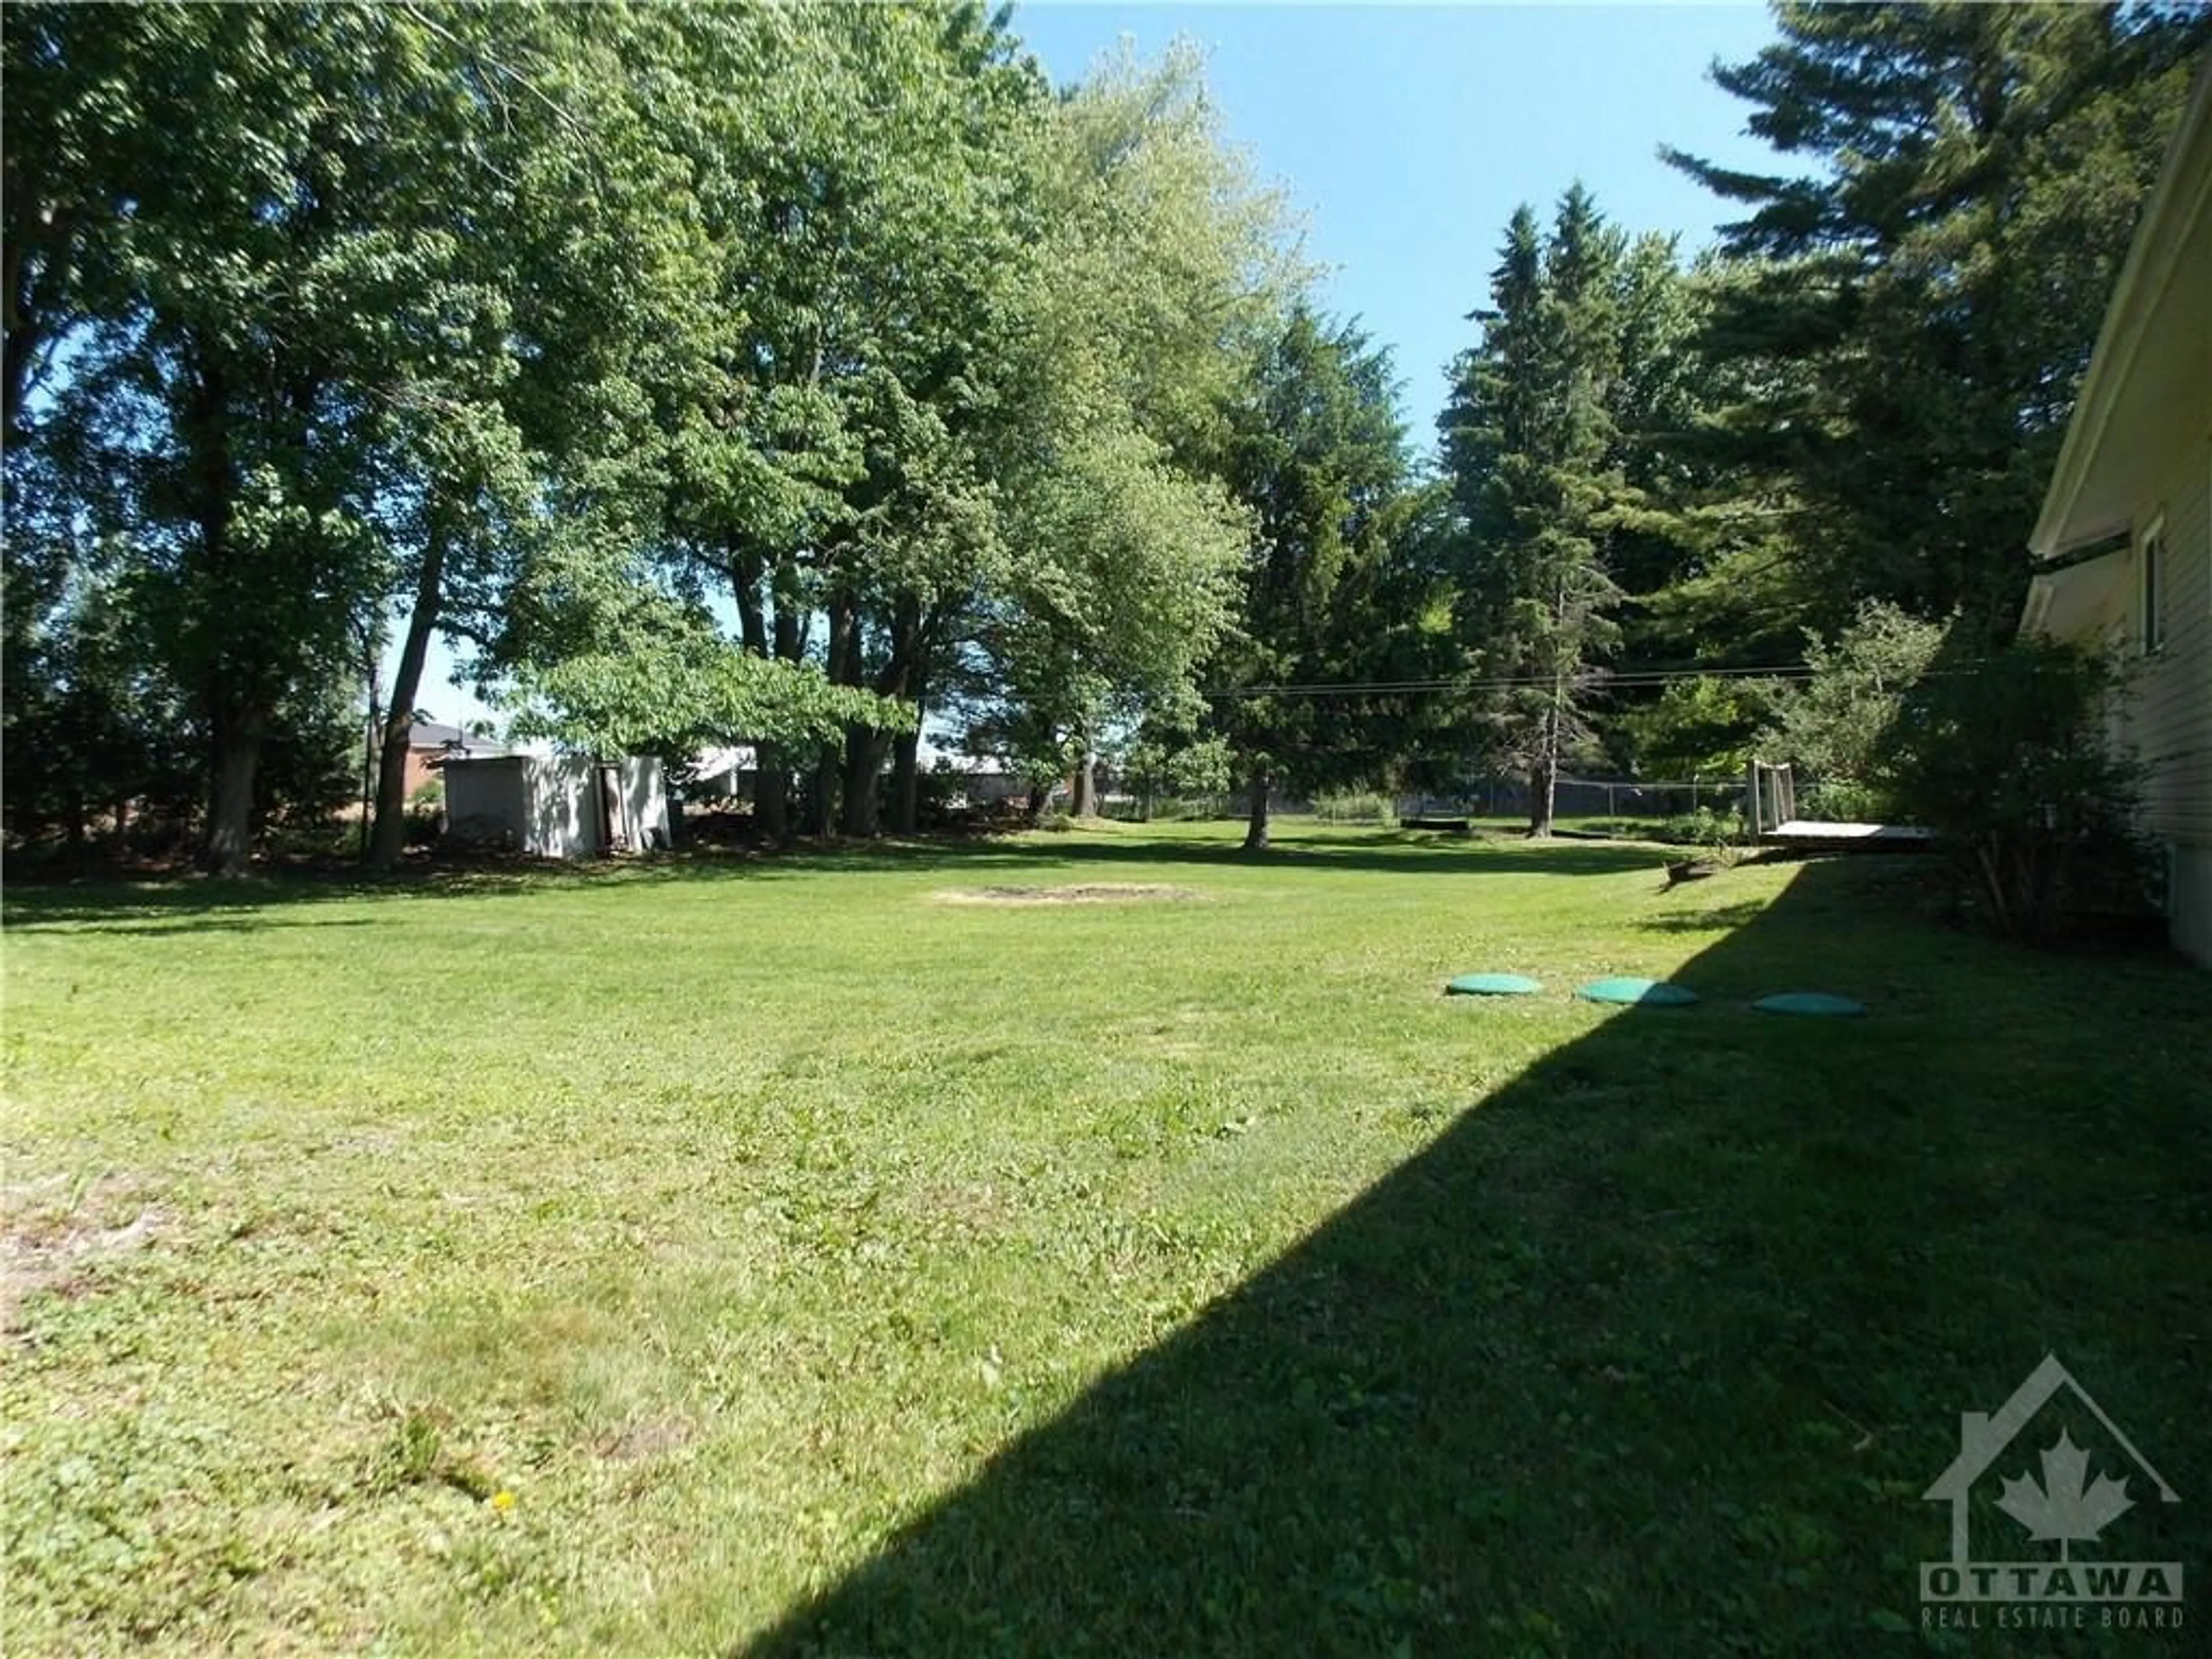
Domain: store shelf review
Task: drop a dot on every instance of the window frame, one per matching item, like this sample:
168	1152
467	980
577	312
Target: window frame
2151	587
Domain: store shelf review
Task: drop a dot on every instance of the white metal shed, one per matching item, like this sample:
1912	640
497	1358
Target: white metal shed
559	806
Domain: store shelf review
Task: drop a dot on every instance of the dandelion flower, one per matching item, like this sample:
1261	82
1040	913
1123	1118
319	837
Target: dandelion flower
502	1500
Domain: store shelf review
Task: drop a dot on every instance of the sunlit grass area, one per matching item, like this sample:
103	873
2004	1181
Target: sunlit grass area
870	1252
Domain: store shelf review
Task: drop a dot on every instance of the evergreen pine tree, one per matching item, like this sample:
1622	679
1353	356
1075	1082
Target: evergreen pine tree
1919	305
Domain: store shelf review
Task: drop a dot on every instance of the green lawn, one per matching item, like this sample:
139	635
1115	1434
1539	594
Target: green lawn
783	1257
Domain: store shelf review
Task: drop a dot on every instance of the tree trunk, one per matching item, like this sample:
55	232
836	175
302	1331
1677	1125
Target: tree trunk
745	591
1255	826
906	676
1544	776
849	764
822	793
1543	791
235	723
1083	797
771	784
793	614
372	705
906	780
772	792
229	837
864	765
787	639
390	839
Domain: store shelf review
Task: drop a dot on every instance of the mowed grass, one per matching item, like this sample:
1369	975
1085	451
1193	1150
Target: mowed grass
777	1256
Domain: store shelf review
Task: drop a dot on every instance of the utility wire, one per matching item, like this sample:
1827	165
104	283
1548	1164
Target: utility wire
1497	682
1641	676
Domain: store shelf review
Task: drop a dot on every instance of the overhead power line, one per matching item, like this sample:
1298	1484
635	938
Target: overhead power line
1500	683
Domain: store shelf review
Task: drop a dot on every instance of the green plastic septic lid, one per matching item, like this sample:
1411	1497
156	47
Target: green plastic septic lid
1640	992
1492	984
1818	1002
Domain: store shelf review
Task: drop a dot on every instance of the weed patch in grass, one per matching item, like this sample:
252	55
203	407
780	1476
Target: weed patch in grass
1081	893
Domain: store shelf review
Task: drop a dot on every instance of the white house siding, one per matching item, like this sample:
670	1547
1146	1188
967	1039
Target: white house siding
2171	713
2171	710
2138	455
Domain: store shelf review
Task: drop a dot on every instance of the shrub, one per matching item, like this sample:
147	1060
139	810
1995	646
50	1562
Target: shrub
1701	727
1181	808
1834	729
1844	800
425	817
2007	763
1703	828
1355	809
297	837
1183	768
1707	828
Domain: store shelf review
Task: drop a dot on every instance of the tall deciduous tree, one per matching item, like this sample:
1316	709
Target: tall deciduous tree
426	339
243	341
220	363
1156	265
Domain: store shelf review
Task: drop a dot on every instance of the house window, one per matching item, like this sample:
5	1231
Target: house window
2151	559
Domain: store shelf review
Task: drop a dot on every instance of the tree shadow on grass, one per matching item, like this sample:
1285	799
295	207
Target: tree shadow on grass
180	903
1653	1351
1379	852
183	904
1702	921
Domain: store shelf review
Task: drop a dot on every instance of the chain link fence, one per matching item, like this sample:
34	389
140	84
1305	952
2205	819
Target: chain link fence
1639	800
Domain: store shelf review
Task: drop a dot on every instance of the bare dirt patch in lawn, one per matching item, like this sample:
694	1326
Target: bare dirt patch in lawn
1088	893
653	1436
51	1235
974	1209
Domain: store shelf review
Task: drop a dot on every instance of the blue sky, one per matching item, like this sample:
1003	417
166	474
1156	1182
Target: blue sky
1408	135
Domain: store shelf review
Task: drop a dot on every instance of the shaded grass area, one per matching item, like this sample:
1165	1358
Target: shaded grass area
765	1256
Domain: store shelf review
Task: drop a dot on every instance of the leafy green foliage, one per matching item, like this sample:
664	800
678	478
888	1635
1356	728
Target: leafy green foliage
1701	727
1159	769
1910	315
2008	761
273	384
677	685
1356	806
499	315
616	347
84	725
1838	729
1158	267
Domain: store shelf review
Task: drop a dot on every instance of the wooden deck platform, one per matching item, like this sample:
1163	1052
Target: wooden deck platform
1771	792
1809	832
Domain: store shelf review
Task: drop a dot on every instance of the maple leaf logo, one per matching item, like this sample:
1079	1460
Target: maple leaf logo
2069	1507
